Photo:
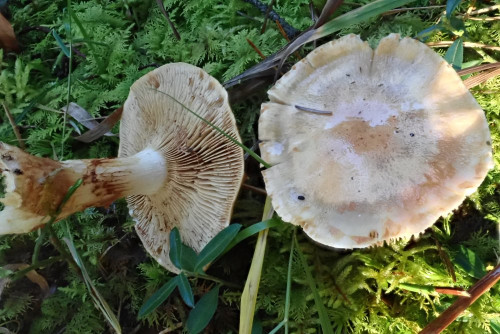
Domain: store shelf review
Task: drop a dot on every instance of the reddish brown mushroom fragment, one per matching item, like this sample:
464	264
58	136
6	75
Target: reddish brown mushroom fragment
368	145
174	168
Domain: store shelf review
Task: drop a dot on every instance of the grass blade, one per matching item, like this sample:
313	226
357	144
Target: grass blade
203	311
249	295
98	300
216	246
158	297
326	325
289	280
219	130
356	16
85	35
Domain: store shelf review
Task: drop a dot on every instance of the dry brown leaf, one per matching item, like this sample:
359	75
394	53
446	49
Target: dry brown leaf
8	40
83	117
102	127
480	78
32	275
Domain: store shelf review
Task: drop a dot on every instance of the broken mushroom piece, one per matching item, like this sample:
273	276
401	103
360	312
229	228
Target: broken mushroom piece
370	145
176	169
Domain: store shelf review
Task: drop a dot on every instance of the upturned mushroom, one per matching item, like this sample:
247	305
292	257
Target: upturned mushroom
175	169
370	145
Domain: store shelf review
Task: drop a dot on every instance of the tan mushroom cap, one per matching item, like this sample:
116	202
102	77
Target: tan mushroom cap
204	168
404	144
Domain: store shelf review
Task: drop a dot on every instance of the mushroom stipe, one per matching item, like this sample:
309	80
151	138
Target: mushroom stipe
404	143
175	169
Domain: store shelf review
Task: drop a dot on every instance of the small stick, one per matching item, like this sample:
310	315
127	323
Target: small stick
256	49
283	33
452	291
466	44
266	16
452	312
14	126
316	111
254	189
485	10
170	23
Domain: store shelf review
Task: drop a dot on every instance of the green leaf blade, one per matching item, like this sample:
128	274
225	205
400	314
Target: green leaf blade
470	262
451	5
252	230
185	290
60	43
158	297
203	311
216	246
188	258
455	54
175	248
357	16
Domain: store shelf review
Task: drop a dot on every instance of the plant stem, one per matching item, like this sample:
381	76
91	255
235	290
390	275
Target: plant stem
213	279
452	312
65	118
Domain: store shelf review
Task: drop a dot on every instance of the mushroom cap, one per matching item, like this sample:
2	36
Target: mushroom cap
204	168
404	144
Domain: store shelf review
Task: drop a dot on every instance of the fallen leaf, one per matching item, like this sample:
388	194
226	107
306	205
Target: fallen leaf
83	117
8	40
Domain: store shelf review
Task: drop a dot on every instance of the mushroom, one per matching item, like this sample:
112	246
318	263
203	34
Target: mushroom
174	168
371	145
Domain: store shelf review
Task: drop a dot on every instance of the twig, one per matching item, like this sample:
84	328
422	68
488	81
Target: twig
485	10
448	316
466	44
102	128
254	189
266	16
256	49
496	18
15	128
283	33
171	24
290	31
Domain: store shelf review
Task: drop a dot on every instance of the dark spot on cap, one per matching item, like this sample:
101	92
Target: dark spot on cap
488	143
352	177
347	74
380	85
301	198
353	82
412	134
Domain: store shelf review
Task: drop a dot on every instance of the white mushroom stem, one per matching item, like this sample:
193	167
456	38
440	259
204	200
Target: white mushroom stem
35	187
